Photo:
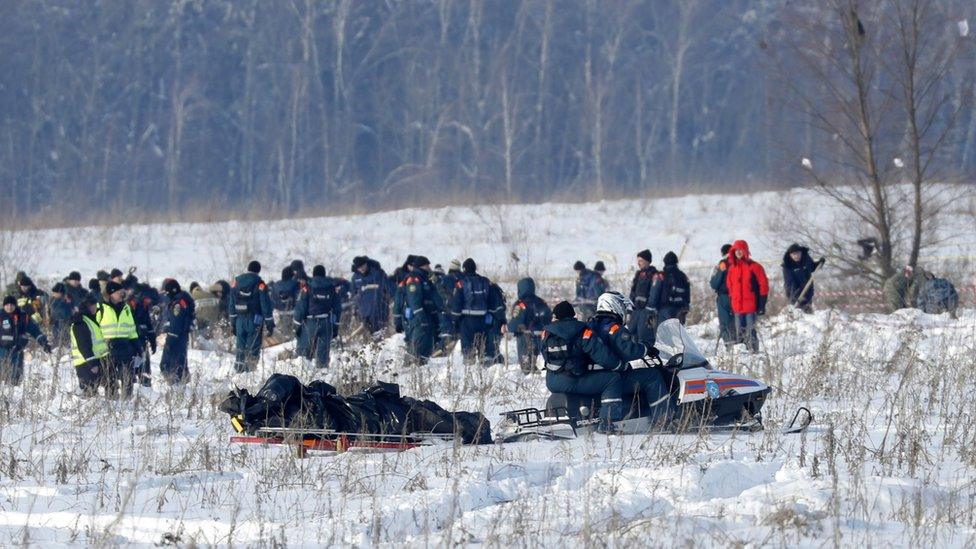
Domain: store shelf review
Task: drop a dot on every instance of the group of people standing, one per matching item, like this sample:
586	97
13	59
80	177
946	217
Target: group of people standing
112	325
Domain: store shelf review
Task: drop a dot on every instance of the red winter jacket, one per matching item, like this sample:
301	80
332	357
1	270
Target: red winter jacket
746	281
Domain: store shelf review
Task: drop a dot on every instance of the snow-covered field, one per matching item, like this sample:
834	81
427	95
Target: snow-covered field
890	460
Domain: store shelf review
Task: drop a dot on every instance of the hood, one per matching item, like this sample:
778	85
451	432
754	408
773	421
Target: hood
739	245
804	253
526	287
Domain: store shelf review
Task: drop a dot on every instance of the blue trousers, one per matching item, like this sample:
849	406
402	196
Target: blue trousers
249	338
173	365
606	385
476	336
11	365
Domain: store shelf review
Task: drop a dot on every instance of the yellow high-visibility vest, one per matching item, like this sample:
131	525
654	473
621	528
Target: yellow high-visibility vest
114	326
99	348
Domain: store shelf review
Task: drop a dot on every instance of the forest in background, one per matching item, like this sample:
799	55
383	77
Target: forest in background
165	108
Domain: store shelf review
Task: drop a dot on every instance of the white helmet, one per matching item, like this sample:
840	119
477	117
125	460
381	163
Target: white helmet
616	303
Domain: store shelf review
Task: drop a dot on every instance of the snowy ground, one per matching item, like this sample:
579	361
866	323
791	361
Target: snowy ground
546	239
890	460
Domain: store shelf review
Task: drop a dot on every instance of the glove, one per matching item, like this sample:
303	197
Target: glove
761	306
398	325
489	320
269	326
298	331
233	328
653	352
152	345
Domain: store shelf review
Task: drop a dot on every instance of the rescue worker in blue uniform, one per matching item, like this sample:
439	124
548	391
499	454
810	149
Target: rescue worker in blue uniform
16	326
177	323
529	317
284	294
399	277
422	305
60	311
723	303
471	308
316	316
445	286
496	297
588	289
143	303
645	386
370	293
671	292
250	312
571	350
118	324
643	321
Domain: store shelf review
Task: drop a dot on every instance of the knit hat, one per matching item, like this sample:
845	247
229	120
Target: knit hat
297	265
439	269
469	266
130	281
115	273
725	249
171	286
670	258
58	288
194	285
563	310
420	261
318	270
455	265
287	273
9	300
794	247
102	275
600	267
578	266
254	267
358	261
645	255
112	287
74	275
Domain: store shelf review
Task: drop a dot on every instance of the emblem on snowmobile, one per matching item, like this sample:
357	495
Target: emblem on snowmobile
712	389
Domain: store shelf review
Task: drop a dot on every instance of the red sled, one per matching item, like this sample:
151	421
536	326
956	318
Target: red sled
325	440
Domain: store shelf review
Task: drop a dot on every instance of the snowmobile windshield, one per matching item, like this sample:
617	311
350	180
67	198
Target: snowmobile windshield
673	339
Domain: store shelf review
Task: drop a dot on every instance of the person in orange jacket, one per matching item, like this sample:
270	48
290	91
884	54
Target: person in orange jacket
748	291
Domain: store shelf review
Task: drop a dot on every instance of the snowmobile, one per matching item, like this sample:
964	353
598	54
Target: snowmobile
701	398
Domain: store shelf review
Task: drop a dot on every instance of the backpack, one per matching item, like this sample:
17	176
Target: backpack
476	290
246	299
286	299
937	296
320	300
561	355
676	290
